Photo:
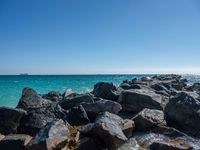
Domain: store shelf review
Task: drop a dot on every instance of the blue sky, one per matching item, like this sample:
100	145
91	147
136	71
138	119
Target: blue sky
99	36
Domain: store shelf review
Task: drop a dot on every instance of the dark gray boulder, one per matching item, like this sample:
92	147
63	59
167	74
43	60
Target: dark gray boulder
15	142
182	112
75	100
110	126
53	96
76	116
93	109
138	99
148	119
31	100
90	143
54	136
10	119
106	90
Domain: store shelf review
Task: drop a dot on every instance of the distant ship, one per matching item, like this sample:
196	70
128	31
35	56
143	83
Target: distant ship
23	74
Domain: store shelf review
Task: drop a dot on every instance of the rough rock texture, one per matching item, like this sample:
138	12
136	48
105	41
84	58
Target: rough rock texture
10	119
90	143
53	136
131	144
76	116
171	145
53	96
138	99
183	113
93	109
14	142
106	90
148	118
75	100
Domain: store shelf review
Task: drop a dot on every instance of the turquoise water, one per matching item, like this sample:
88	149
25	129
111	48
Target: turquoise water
11	86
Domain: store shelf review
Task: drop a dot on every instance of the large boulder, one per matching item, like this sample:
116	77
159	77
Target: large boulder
148	118
76	116
75	100
31	100
138	99
15	142
93	109
54	136
10	119
183	113
110	126
106	90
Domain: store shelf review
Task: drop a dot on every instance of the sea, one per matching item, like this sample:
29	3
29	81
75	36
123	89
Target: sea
11	86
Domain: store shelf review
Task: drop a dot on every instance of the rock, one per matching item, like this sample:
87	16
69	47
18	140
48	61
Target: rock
138	99
109	125
75	100
31	100
106	90
54	136
10	119
171	145
76	116
131	144
67	93
93	109
182	112
15	142
53	96
148	118
127	127
90	143
36	119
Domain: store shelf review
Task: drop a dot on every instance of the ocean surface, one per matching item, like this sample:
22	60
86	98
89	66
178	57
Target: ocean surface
11	86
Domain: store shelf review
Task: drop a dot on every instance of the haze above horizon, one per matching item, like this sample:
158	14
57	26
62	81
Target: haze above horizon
99	37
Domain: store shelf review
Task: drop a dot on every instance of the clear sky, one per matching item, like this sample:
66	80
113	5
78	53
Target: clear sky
99	36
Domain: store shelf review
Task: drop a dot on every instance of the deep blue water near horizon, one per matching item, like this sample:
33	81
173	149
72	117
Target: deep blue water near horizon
11	86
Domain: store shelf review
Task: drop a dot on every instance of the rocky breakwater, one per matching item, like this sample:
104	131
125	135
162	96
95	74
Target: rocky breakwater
156	113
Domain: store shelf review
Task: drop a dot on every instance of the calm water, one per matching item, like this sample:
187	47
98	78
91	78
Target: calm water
11	86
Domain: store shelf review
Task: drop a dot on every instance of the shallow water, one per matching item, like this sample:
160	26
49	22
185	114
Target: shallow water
11	86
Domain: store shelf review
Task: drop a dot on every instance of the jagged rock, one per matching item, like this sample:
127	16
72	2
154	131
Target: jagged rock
93	109
14	142
76	116
106	90
182	112
31	100
36	119
131	144
10	119
148	118
138	99
53	96
127	127
75	100
109	125
171	145
54	136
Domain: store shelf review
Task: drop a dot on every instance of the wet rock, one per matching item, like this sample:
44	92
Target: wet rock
10	119
182	112
138	99
148	118
93	109
54	136
109	125
171	145
131	144
106	90
53	96
14	142
75	100
76	116
31	100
